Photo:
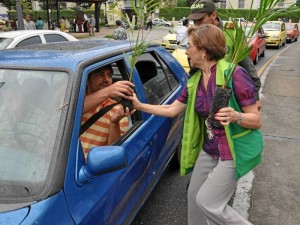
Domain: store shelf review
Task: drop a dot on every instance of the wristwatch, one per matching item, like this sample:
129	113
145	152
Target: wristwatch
239	118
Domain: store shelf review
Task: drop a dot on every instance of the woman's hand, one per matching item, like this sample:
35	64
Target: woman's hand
226	115
135	102
250	118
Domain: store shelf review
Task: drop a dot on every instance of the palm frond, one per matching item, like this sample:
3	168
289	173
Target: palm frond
267	10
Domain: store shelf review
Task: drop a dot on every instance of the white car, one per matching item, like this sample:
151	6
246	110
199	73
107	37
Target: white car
161	22
12	39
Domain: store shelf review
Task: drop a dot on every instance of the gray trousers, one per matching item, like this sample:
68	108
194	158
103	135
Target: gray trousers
211	187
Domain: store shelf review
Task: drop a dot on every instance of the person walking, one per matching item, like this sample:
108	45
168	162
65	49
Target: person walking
92	26
28	23
149	23
213	159
119	32
39	24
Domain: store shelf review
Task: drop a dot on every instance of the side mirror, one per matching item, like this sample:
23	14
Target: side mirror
101	160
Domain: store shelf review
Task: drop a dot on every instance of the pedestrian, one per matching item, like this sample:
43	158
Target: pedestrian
39	24
92	26
213	159
62	23
149	22
119	32
28	23
204	12
181	32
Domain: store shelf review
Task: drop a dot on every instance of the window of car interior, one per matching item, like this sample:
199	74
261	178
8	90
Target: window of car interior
30	41
157	79
120	73
54	38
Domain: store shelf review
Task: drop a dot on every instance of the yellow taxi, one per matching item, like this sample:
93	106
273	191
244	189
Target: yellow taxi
179	54
276	32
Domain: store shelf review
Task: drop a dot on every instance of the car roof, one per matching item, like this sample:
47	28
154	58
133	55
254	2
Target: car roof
59	55
19	33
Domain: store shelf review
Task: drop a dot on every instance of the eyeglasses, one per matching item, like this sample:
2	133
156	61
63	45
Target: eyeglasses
188	46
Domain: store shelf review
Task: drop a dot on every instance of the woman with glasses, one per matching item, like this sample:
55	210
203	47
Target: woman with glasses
210	158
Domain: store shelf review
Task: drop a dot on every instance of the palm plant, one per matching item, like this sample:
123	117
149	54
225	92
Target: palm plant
142	9
268	10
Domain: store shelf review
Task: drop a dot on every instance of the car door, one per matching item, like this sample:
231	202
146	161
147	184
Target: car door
109	198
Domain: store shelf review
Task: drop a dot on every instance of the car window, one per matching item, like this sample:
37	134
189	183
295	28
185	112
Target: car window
30	41
31	105
97	132
157	79
54	38
4	42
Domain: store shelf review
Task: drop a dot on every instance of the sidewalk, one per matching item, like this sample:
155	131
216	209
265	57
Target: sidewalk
102	33
276	188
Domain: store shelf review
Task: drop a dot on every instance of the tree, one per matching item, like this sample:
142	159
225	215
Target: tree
10	4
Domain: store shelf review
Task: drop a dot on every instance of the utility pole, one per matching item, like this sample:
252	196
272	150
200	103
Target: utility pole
19	15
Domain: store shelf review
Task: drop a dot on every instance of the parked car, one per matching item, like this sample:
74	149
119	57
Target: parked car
161	22
276	32
257	41
44	176
292	30
170	41
12	39
179	54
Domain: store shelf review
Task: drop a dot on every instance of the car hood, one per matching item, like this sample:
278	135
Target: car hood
13	217
53	210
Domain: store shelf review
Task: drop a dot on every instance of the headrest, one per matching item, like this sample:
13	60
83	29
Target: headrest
147	70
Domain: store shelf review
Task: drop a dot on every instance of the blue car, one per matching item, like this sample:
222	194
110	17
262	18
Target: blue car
44	177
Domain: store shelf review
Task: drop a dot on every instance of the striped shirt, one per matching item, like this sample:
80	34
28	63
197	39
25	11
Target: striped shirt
98	133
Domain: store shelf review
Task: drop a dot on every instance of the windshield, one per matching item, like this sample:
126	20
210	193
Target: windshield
4	42
30	111
271	26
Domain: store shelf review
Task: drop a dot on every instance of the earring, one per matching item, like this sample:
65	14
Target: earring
203	57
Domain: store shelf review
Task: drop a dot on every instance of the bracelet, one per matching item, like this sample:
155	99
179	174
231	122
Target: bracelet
239	118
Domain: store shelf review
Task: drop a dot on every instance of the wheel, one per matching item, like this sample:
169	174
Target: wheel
167	25
263	53
256	58
296	39
278	46
283	43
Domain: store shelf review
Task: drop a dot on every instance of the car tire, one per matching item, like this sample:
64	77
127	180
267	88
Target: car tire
263	53
175	161
283	43
296	39
278	46
167	25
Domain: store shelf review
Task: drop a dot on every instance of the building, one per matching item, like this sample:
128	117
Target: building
246	4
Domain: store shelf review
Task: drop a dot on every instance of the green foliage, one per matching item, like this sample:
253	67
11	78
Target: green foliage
67	14
142	9
267	10
178	13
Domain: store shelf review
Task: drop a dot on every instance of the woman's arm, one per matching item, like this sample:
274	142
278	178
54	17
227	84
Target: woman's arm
171	110
249	118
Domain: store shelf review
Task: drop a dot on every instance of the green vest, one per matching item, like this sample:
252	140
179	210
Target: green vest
245	144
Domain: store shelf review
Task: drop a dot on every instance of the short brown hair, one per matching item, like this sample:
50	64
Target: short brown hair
210	38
